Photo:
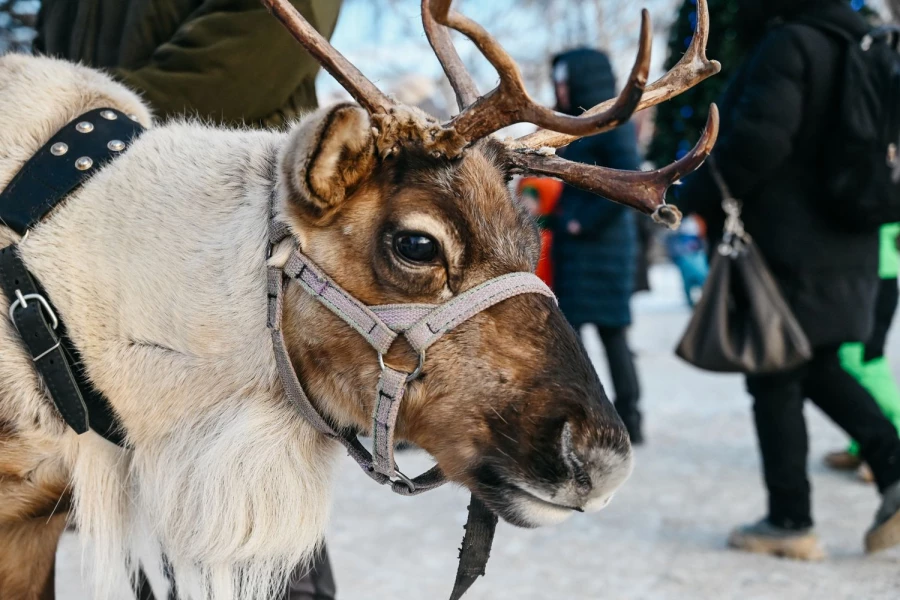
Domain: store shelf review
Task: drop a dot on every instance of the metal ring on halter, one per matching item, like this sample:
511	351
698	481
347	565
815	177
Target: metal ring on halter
412	376
404	480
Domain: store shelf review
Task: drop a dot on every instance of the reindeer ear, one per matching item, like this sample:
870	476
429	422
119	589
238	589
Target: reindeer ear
327	155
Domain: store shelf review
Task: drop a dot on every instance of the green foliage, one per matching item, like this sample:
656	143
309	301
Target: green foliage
680	120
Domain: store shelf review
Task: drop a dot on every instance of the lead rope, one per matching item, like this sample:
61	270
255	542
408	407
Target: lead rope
476	546
734	236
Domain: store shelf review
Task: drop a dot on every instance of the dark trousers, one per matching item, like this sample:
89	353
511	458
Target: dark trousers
315	583
885	307
623	372
778	412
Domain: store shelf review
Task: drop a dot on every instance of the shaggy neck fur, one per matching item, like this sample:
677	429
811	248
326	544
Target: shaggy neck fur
157	267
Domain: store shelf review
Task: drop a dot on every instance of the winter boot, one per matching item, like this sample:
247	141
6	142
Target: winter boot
842	460
864	473
763	537
631	417
885	532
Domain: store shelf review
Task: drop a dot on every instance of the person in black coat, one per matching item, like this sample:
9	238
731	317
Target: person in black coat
775	116
595	241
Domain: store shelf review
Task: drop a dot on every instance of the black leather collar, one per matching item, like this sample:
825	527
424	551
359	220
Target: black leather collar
76	152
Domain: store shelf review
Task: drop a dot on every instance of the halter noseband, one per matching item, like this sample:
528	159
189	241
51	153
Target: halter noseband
421	324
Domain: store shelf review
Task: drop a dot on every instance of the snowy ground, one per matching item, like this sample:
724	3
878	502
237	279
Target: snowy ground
663	537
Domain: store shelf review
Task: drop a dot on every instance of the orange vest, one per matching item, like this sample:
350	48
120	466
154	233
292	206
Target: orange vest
548	191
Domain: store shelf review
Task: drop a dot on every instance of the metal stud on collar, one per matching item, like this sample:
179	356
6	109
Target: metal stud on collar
84	163
59	148
84	127
116	145
108	115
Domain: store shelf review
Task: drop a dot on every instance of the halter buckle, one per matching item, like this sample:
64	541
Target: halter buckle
412	376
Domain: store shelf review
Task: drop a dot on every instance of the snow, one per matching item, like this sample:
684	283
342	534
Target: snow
662	537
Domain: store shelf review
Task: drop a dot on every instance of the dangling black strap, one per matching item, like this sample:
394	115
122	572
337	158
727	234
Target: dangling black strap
54	356
476	547
74	154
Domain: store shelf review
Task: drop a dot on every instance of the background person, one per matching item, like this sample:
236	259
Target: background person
866	362
228	61
595	241
776	114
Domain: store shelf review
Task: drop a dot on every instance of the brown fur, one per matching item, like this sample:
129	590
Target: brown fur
34	504
497	391
33	512
29	557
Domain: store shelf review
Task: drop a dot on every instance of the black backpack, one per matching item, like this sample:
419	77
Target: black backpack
862	159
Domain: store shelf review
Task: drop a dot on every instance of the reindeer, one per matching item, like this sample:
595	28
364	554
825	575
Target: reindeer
160	267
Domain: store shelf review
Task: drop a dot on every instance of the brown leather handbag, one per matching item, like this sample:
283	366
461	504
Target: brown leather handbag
742	323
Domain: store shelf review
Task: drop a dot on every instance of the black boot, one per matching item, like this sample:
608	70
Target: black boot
631	416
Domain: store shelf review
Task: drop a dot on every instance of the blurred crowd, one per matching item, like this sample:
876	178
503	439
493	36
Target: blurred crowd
765	188
802	281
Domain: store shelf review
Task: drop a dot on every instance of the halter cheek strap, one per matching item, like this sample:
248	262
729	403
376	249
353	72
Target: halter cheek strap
421	324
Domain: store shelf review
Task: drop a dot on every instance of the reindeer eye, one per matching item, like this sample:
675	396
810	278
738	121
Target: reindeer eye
415	247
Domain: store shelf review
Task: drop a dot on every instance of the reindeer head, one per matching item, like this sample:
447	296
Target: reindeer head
401	209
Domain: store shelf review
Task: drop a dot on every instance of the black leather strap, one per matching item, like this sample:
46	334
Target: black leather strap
75	153
71	156
55	357
33	317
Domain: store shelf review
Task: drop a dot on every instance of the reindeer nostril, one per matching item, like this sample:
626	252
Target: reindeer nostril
580	476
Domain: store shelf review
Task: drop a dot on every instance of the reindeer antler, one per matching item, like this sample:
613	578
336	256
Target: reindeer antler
642	190
510	103
693	68
363	91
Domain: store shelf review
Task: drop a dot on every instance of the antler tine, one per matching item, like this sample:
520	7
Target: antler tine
693	68
510	103
642	190
439	38
362	90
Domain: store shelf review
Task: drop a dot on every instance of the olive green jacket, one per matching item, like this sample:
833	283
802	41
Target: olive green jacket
229	61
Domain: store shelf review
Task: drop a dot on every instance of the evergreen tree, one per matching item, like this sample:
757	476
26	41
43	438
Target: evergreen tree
680	120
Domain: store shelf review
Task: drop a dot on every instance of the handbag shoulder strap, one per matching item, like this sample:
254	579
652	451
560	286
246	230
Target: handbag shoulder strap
733	234
718	179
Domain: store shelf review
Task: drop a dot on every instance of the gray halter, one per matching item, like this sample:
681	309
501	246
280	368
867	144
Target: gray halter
421	324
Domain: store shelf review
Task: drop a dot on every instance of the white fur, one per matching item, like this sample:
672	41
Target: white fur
157	267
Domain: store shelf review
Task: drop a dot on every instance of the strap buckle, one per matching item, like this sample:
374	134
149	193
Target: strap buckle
22	301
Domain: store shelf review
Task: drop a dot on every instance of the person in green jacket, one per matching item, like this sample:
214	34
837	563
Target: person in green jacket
866	362
226	61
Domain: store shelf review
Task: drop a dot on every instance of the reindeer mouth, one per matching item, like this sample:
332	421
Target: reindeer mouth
529	503
518	503
538	511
